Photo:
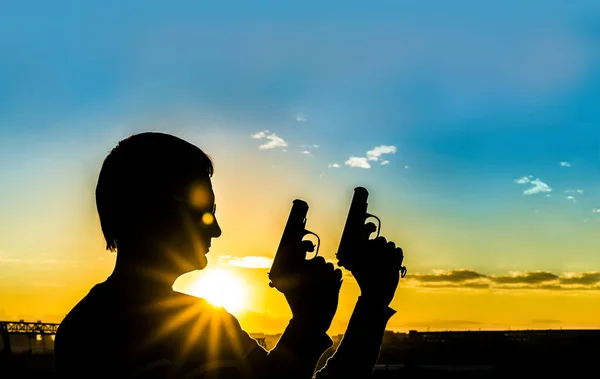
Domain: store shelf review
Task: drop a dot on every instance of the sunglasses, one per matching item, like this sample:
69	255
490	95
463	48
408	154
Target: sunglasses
207	217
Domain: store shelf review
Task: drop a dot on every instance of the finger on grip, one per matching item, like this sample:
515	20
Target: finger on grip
318	261
398	257
369	229
308	246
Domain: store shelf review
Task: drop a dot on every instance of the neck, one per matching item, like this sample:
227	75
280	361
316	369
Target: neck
142	275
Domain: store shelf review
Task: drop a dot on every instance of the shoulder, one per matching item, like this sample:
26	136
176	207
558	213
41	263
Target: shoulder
86	319
86	311
197	306
211	323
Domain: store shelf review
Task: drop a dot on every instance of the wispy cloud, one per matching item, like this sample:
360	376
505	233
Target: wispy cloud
565	164
522	180
578	192
333	165
533	280
596	210
301	118
11	260
372	155
307	149
273	140
360	162
586	278
450	276
376	153
259	135
525	278
36	261
538	186
247	262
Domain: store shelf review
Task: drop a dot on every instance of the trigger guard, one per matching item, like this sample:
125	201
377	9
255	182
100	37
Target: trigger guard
307	232
378	222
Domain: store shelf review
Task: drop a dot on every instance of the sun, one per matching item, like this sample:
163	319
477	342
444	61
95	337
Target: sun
221	288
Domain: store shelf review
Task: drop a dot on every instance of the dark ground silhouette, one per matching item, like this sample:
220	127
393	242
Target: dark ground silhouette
466	354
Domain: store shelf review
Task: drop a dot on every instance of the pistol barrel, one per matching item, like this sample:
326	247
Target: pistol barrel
353	229
286	257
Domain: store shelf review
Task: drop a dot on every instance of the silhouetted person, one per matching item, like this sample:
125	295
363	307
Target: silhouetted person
157	211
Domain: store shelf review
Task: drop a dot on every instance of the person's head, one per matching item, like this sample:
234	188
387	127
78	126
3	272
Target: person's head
156	204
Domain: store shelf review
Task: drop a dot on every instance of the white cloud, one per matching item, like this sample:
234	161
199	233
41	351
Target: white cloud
247	262
273	140
309	146
596	210
580	192
565	164
378	151
538	187
334	165
385	162
570	198
360	162
301	118
405	166
306	152
523	180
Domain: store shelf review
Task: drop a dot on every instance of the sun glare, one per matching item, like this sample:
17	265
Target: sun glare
221	288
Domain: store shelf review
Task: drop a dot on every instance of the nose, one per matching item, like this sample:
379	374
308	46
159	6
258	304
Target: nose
216	232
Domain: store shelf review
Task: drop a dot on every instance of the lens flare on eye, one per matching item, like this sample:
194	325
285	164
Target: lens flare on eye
208	218
198	195
222	288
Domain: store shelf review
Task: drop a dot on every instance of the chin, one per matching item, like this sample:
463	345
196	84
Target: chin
202	263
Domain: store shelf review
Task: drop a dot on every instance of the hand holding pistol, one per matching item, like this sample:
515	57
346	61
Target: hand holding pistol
311	286
356	233
376	264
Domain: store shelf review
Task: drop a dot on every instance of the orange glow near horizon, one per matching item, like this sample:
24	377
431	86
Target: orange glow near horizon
221	288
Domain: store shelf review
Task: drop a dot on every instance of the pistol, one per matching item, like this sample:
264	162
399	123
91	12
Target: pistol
290	253
354	233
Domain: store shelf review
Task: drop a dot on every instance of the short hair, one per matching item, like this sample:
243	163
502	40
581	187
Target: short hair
140	170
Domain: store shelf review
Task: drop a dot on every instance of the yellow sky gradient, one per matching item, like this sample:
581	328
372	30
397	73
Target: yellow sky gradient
52	250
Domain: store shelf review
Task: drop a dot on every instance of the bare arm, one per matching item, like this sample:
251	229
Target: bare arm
359	350
295	355
378	279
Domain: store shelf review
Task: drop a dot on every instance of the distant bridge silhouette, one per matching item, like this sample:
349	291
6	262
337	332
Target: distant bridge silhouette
22	327
39	328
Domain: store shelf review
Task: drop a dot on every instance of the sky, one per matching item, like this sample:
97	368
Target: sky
475	128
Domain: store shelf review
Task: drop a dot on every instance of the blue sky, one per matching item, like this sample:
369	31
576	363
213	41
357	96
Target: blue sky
473	96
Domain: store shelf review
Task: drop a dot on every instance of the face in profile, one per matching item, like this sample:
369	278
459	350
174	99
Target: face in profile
190	232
